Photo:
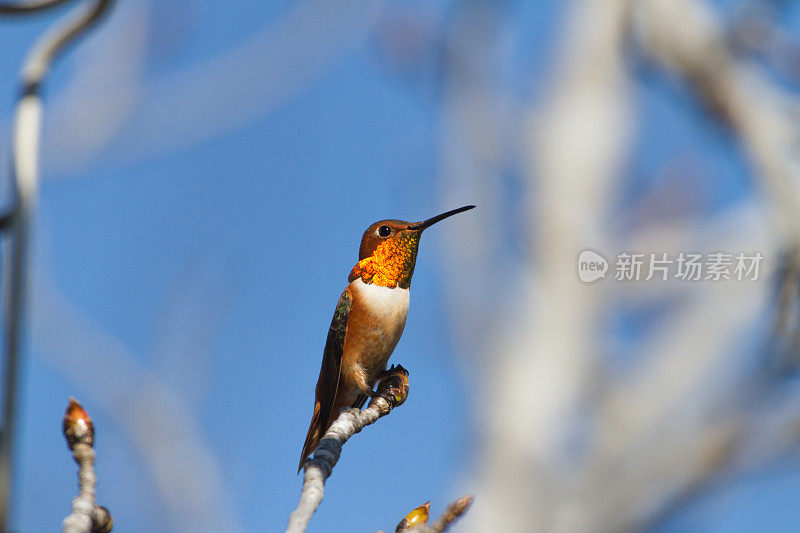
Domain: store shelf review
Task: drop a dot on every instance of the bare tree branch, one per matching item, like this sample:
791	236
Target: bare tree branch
687	37
23	8
545	363
391	392
145	116
588	449
114	378
27	129
86	515
417	519
453	512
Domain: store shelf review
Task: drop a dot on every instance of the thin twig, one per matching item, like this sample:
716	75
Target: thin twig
688	38
25	172
578	139
85	515
454	510
80	518
111	374
392	392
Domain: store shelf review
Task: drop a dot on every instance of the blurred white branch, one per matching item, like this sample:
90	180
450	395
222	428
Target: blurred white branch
141	404
144	118
25	177
545	361
688	37
479	133
585	448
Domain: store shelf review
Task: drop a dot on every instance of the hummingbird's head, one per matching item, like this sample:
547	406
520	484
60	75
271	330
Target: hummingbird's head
388	250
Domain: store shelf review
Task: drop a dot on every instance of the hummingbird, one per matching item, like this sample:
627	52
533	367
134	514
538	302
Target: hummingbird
367	322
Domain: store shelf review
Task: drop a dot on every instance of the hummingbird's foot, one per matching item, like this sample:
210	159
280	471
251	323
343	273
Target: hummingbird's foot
392	385
391	371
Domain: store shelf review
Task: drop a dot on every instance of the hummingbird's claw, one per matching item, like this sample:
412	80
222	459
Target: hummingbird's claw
393	385
392	370
398	368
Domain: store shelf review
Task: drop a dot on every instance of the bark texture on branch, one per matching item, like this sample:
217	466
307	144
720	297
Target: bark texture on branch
80	518
451	514
392	392
86	516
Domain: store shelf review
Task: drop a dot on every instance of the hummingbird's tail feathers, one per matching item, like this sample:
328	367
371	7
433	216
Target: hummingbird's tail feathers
312	438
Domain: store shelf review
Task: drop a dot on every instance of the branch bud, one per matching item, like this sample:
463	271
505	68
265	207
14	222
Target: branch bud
78	427
417	517
102	521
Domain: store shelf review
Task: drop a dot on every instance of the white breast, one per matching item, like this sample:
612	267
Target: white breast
375	339
386	304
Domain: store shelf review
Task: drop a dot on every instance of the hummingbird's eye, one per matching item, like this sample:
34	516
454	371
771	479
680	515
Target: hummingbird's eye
384	231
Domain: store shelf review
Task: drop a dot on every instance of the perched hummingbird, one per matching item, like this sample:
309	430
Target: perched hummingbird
368	321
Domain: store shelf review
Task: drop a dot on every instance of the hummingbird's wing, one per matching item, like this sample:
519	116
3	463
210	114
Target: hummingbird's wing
328	381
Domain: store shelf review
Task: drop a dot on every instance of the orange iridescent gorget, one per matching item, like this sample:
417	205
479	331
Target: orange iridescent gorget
391	264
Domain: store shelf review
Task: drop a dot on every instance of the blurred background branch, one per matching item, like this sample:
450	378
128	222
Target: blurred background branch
24	8
585	447
228	158
25	177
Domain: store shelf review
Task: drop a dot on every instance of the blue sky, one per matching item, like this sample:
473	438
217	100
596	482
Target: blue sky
217	266
265	222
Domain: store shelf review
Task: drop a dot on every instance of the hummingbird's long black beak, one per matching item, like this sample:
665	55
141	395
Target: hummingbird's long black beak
431	221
